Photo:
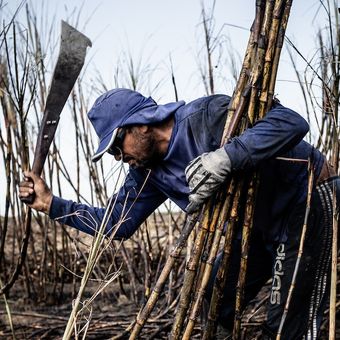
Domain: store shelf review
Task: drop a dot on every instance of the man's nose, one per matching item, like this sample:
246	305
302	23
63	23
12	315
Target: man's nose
117	157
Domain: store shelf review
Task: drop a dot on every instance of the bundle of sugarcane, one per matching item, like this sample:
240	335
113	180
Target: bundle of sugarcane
252	98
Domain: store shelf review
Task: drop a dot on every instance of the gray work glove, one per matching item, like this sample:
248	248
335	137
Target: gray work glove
204	175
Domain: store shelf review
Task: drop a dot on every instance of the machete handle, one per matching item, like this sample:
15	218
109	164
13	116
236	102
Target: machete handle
30	198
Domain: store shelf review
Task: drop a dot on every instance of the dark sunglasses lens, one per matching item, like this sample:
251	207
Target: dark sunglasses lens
114	150
120	135
117	147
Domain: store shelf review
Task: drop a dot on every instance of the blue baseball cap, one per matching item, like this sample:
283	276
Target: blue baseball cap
121	107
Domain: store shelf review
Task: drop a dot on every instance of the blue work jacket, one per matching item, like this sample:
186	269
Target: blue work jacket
198	128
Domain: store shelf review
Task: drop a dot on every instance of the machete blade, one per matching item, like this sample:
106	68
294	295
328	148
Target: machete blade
70	61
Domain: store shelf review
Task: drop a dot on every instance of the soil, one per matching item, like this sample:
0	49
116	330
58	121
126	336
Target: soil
109	318
44	314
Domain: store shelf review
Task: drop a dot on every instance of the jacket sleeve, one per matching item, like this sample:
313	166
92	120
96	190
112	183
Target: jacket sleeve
271	136
133	203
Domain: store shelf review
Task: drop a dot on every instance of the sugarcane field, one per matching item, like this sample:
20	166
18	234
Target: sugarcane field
169	169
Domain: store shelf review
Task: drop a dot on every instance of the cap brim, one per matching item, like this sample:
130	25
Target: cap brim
104	145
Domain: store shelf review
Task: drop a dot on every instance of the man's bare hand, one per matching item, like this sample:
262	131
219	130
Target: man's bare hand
33	184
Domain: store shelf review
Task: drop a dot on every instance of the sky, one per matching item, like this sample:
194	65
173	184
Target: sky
151	31
156	29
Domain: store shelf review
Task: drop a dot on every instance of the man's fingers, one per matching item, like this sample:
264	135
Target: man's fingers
201	182
26	187
26	183
25	191
29	175
25	194
192	207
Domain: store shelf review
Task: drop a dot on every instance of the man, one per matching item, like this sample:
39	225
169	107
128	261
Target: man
174	152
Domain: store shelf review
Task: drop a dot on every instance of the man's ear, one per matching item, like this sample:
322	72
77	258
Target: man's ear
138	128
144	128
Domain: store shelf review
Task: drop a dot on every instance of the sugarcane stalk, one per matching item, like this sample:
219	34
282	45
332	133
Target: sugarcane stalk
259	12
300	252
213	249
174	255
269	55
95	249
210	237
266	76
332	300
246	232
237	108
170	246
9	314
222	272
141	318
265	52
259	73
190	274
275	64
257	68
259	18
233	119
5	105
239	94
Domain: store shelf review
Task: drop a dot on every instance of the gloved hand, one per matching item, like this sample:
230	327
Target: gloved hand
204	175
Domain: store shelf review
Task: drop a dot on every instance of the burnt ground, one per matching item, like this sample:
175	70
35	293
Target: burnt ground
110	318
43	313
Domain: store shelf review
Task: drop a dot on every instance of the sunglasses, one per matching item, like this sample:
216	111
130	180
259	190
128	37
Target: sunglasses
117	146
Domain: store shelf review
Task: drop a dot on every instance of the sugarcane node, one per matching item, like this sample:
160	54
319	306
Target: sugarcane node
260	4
262	41
247	90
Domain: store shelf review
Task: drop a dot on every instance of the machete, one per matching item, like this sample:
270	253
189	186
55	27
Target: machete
70	61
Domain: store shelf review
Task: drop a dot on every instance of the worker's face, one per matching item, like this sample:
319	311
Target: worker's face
139	148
